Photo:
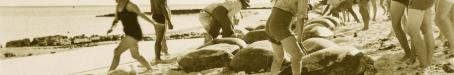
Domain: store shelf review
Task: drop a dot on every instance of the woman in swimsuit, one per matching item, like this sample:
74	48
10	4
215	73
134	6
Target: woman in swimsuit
277	29
422	46
127	13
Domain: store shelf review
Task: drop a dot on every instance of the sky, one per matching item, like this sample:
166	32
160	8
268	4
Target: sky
96	2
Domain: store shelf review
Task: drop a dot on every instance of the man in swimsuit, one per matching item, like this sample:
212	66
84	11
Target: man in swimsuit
223	16
127	13
161	14
282	38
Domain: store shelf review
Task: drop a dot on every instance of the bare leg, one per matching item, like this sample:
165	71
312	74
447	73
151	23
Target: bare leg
291	46
374	6
397	11
428	34
364	10
134	49
383	6
443	22
160	34
122	47
353	14
278	58
414	30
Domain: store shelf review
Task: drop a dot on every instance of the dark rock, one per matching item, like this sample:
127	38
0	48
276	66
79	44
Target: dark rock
335	61
232	41
255	58
204	59
7	55
315	44
255	35
19	43
53	52
30	54
448	68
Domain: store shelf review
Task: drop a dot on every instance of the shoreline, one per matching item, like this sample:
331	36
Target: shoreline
183	11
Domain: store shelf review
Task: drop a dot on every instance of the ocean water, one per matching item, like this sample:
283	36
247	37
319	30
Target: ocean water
18	22
28	22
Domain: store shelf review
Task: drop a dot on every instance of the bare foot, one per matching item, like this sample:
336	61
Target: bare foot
148	71
365	28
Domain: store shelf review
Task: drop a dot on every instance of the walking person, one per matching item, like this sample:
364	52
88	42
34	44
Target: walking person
217	16
282	38
127	13
398	19
422	46
444	20
161	14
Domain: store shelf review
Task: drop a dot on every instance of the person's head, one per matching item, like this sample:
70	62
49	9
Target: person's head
121	4
245	3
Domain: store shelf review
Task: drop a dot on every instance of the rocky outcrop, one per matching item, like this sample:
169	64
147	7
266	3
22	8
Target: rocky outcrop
255	58
342	60
19	43
255	35
7	55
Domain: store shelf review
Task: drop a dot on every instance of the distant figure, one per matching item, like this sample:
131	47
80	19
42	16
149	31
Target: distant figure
282	38
221	15
422	46
444	20
127	13
161	14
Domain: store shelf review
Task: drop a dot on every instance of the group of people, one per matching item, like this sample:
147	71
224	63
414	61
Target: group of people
223	16
418	25
214	17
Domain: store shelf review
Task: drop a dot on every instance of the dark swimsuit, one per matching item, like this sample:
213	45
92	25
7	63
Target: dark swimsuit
405	2
131	26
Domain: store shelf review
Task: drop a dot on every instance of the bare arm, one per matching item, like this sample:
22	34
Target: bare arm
135	9
114	23
301	15
167	14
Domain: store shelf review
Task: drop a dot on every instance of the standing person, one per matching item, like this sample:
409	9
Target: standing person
277	29
444	10
161	14
217	16
127	13
397	9
423	46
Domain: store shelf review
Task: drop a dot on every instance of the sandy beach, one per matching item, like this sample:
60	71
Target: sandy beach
95	60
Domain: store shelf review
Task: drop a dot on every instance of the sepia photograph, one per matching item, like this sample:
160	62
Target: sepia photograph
226	37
